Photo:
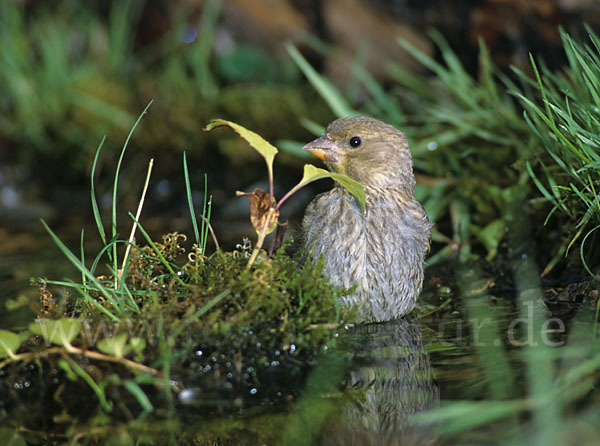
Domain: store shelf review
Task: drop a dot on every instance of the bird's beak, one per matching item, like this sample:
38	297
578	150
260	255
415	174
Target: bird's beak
323	148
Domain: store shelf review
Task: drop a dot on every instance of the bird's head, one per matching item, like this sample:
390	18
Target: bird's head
367	150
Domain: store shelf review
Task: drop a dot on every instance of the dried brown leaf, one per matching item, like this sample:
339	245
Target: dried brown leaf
259	210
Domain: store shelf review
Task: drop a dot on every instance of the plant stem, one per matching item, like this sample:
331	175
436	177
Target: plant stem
261	239
79	351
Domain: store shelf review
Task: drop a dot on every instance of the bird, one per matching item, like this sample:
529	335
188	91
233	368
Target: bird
378	254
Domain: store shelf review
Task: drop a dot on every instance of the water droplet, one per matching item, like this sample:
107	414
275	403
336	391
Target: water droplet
199	352
292	348
432	146
186	395
253	391
258	345
277	352
274	363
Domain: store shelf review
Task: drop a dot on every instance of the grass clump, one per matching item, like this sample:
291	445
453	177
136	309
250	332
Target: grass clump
563	111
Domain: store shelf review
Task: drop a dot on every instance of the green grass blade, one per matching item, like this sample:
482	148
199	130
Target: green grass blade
465	415
123	23
82	253
107	248
99	391
116	182
140	396
200	58
539	184
188	190
123	291
95	208
77	263
385	101
332	96
582	256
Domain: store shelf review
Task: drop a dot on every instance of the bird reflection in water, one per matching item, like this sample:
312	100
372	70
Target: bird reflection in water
392	379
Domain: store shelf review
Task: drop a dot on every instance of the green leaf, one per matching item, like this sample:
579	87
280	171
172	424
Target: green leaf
137	344
115	345
266	150
60	332
136	347
312	173
9	343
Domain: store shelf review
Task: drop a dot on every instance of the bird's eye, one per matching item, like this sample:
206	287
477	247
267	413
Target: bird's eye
355	142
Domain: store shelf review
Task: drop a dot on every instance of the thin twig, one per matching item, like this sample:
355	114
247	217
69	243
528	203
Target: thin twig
212	233
79	351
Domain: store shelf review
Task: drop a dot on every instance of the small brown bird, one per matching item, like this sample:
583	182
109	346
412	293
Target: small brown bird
381	251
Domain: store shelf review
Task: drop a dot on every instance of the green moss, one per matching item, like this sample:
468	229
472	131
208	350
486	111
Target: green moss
228	335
